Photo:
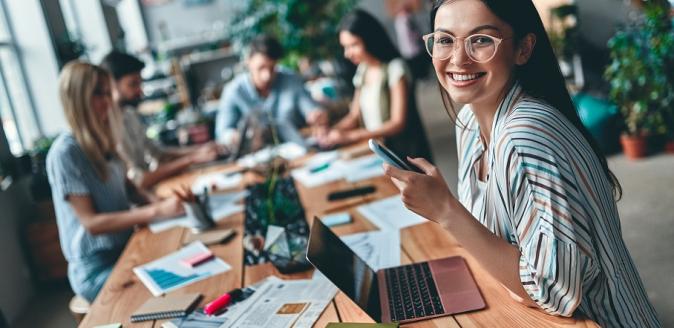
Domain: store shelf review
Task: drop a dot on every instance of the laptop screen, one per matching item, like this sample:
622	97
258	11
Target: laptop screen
344	268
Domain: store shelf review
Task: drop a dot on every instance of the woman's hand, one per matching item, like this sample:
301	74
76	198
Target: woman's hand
204	154
169	207
424	194
333	138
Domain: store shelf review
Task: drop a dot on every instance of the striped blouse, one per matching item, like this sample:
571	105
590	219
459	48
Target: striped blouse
548	195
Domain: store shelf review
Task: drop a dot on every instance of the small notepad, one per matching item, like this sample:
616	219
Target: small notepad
172	306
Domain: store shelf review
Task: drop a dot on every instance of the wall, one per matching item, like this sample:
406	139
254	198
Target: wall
599	19
176	21
16	287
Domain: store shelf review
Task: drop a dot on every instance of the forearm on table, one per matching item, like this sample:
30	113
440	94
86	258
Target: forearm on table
118	221
388	129
496	255
348	122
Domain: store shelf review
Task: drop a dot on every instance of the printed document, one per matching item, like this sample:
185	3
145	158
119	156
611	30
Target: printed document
169	272
284	304
390	214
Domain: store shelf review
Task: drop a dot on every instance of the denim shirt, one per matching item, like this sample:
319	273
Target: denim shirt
288	103
71	173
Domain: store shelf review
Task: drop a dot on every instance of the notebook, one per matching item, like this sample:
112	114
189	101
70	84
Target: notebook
172	306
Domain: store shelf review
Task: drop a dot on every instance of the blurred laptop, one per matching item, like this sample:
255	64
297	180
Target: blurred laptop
402	294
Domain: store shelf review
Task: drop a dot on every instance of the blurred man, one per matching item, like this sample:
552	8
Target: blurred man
273	94
147	162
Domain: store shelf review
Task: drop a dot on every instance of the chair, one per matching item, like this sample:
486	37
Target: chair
79	307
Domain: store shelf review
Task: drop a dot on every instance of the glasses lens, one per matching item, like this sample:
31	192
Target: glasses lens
481	48
440	45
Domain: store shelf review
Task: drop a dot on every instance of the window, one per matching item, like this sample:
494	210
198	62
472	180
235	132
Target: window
16	107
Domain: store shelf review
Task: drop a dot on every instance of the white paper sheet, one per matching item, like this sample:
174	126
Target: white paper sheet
311	180
390	214
168	273
286	303
379	249
288	151
363	168
216	181
352	170
222	206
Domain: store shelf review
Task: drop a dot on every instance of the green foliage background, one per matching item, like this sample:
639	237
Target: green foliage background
641	72
304	28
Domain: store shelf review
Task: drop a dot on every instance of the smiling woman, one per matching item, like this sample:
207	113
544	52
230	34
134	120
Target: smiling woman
535	201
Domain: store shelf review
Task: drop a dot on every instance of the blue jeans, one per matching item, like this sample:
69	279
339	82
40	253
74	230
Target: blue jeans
87	277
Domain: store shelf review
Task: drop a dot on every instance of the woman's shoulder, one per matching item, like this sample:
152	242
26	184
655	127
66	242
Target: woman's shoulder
65	143
397	64
533	125
396	69
535	116
65	149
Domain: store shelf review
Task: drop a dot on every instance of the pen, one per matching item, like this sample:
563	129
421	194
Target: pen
223	301
319	168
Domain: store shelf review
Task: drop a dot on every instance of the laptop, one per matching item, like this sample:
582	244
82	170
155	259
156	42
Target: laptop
402	294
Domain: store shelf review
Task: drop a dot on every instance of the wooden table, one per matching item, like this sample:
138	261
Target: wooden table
123	293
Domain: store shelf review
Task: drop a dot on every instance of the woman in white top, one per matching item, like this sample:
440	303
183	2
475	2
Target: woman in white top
383	105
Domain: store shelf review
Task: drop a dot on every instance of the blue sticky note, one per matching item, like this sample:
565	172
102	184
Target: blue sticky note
336	219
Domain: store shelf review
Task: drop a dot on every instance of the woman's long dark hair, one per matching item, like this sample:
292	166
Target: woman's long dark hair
540	77
377	41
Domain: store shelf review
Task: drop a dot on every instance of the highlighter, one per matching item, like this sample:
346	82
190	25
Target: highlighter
223	301
319	168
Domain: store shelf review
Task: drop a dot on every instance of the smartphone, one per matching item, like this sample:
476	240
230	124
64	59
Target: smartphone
391	158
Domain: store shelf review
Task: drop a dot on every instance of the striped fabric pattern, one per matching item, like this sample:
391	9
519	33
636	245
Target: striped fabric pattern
547	194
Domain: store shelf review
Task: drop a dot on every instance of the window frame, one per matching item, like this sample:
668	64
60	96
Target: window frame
9	44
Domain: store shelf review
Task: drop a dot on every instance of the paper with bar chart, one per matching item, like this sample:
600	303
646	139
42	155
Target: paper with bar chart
169	272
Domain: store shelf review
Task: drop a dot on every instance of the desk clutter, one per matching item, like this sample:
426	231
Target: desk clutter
172	306
272	303
220	206
276	229
188	265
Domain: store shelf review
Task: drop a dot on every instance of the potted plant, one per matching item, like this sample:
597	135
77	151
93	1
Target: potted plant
39	185
307	29
641	77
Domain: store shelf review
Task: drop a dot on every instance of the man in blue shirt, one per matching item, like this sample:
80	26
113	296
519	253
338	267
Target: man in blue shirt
271	94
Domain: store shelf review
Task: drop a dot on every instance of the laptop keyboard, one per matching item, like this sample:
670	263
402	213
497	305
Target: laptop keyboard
412	292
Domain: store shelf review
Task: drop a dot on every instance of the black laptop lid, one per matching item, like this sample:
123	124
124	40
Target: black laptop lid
344	268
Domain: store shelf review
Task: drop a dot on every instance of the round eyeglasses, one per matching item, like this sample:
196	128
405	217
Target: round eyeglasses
480	48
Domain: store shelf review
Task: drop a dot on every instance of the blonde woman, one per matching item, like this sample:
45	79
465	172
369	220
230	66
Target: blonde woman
89	188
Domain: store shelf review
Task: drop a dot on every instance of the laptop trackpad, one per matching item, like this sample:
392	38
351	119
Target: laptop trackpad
451	275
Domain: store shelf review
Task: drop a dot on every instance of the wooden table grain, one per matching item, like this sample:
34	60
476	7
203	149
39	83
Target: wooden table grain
123	293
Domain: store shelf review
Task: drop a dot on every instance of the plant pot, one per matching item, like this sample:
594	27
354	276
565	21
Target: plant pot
634	147
669	147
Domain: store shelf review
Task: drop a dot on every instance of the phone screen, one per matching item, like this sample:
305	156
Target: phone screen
391	158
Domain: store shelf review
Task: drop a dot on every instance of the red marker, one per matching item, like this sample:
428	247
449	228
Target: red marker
223	301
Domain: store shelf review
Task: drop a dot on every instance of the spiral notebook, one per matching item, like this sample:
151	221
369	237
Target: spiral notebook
171	306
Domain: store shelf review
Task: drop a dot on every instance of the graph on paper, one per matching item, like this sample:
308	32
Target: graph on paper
169	273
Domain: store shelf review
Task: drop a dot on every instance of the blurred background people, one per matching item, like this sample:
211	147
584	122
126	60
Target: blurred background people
92	198
408	35
147	162
384	104
277	95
